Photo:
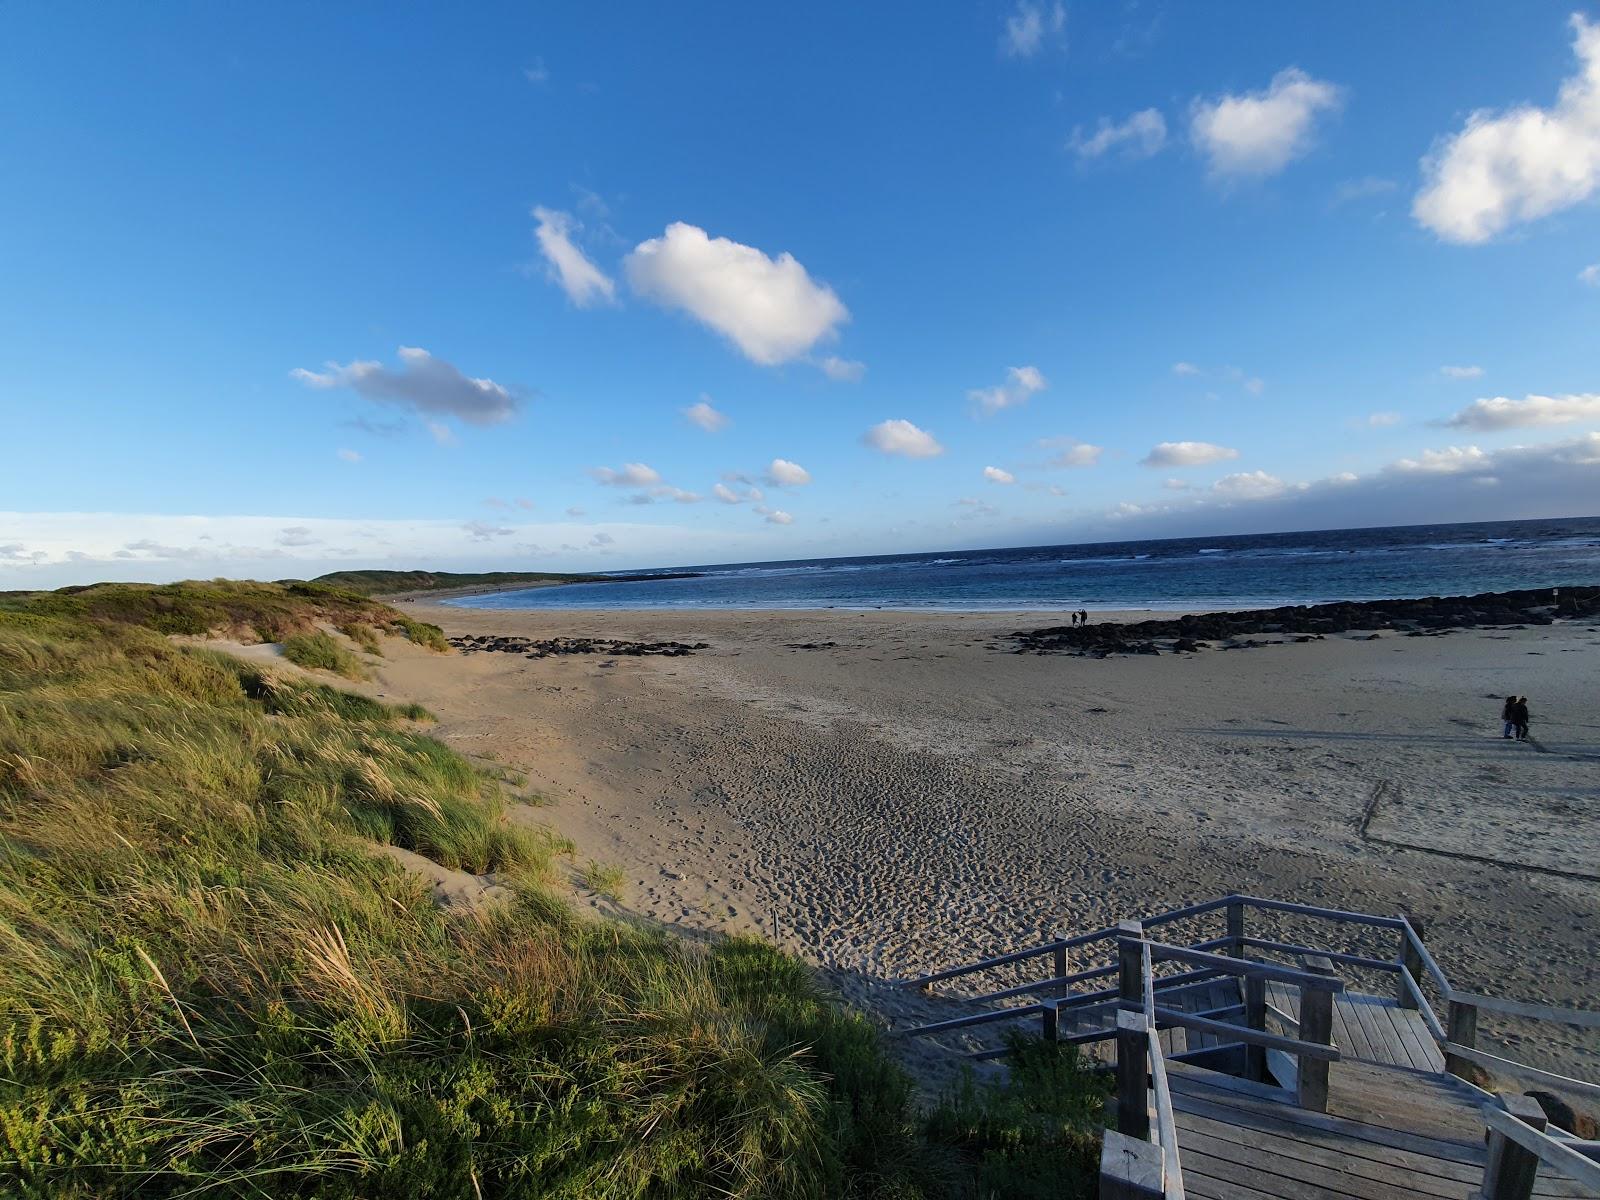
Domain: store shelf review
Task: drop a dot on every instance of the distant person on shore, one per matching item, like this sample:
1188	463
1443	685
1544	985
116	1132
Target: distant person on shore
1508	717
1519	715
1083	616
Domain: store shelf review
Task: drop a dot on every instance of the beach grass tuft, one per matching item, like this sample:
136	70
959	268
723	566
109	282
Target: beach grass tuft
213	982
318	651
604	879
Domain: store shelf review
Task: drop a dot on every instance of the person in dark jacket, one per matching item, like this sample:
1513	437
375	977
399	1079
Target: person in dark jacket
1508	717
1519	715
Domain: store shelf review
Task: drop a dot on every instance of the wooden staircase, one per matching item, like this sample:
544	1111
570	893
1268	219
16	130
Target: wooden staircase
1241	1077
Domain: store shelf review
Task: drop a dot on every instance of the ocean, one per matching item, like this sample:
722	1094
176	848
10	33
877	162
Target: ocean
1254	571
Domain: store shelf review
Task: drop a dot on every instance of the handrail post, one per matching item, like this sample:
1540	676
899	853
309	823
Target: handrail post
1462	1029
1049	1022
1511	1169
1411	960
1316	1025
1133	1075
1130	964
1130	1168
1255	1017
1059	966
1235	913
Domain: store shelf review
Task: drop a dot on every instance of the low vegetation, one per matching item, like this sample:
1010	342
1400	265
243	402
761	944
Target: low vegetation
389	583
211	981
318	651
603	879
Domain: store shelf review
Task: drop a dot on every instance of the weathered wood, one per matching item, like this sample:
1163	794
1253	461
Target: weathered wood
1221	963
1049	1022
1041	985
1255	1016
1316	1026
1130	963
1058	968
1166	1127
1133	1075
1238	1033
1326	914
1505	1066
1130	1168
1410	960
1003	1014
1419	1002
1585	1018
1353	960
1235	913
1512	1166
1461	1029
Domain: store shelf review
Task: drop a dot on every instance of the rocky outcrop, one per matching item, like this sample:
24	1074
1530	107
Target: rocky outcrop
1430	616
491	643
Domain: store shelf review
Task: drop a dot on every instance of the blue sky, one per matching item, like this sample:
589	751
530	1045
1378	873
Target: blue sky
285	289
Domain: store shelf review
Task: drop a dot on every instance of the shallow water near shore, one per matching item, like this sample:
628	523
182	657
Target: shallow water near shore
1261	570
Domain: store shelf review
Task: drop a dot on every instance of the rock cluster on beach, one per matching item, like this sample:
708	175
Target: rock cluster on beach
1430	616
491	643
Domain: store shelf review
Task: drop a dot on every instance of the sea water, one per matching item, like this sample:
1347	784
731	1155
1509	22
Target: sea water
1253	571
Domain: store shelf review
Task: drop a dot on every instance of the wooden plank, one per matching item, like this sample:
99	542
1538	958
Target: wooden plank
1223	965
1539	1012
1356	1043
1377	1031
1304	1175
1428	1055
1352	960
1292	1130
1426	1177
1554	1154
1494	1062
1305	1050
1326	914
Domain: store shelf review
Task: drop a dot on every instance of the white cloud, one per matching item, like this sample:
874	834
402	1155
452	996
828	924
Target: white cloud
423	383
1461	372
779	517
1521	164
783	473
483	531
771	309
1140	136
1186	454
1177	485
1071	452
441	433
1260	133
584	283
842	370
1186	368
1501	412
1248	485
726	494
537	73
1450	461
1379	420
996	475
1021	383
296	535
350	456
630	475
705	416
1590	275
1026	28
902	437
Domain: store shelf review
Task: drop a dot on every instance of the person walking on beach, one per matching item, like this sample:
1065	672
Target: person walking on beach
1519	715
1083	616
1508	717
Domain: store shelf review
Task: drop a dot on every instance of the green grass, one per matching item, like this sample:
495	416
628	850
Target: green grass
604	880
211	983
363	635
381	583
318	651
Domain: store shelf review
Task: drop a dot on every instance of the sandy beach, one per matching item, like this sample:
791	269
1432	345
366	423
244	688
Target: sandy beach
909	794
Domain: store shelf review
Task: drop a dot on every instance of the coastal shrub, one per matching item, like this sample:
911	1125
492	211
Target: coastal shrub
363	635
318	651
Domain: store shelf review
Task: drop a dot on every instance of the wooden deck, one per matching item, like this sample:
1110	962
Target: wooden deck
1388	1134
1373	1029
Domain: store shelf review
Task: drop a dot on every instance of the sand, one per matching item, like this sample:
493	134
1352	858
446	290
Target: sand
914	796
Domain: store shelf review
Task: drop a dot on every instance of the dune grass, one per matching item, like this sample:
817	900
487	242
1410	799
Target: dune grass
211	983
363	635
317	650
604	879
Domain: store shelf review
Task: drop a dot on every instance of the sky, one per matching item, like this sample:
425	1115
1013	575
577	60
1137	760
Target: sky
294	288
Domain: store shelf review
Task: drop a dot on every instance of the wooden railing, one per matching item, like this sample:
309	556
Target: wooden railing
1519	1141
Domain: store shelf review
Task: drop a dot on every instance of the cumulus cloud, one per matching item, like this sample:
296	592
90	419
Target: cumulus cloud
1452	460
778	517
1021	383
783	473
628	475
1028	26
349	456
567	266
1186	368
1248	485
1261	133
996	475
771	309
1590	275
898	436
1140	136
705	416
1461	372
1501	412
1072	453
1186	454
842	370
422	383
537	73
1519	165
